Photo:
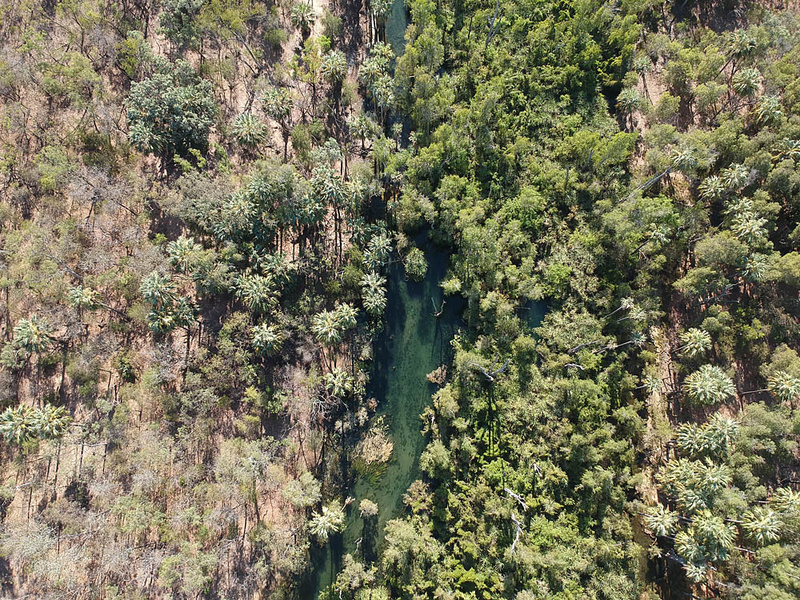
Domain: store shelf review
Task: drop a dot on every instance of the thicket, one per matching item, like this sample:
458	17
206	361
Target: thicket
200	203
632	167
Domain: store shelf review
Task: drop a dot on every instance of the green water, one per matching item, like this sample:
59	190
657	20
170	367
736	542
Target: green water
413	343
396	27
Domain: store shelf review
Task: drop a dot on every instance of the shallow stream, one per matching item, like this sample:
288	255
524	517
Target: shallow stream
413	343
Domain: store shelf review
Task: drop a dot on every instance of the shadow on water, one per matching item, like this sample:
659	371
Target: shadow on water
414	343
396	27
533	313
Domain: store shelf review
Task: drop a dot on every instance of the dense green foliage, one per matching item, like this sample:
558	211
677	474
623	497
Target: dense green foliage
202	204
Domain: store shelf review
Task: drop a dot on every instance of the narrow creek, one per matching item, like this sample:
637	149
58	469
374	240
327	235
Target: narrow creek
413	343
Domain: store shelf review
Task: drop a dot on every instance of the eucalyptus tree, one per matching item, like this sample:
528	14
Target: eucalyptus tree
416	265
179	23
172	112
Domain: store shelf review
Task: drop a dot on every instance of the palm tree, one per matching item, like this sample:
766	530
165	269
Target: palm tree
642	65
690	440
184	313
628	102
378	250
267	340
33	335
339	383
380	9
747	82
783	386
53	421
684	160
382	91
249	130
161	321
368	508
714	535
741	43
719	435
369	71
326	523
735	177
83	298
762	525
768	110
327	327
755	267
278	104
786	501
374	292
346	315
334	66
157	289
179	252
662	522
362	127
749	228
695	342
712	479
19	425
303	18
709	385
712	188
257	292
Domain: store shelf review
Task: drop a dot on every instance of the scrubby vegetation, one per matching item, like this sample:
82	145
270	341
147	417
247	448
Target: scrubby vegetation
204	203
